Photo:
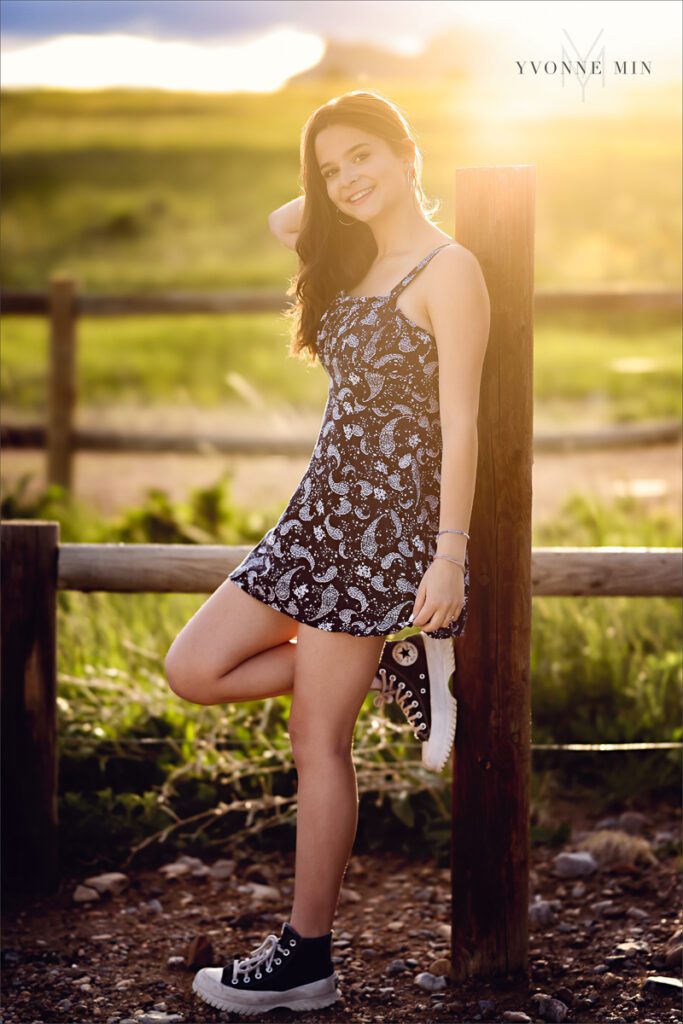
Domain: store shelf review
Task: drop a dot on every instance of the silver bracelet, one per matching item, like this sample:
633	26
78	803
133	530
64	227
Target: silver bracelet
454	531
449	559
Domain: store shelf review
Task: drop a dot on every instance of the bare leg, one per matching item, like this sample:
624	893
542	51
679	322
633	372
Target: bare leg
234	648
333	672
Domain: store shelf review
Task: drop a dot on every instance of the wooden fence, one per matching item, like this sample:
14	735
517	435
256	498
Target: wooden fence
492	755
35	566
63	305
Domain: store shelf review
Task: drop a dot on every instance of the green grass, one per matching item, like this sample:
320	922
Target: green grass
136	760
199	360
150	191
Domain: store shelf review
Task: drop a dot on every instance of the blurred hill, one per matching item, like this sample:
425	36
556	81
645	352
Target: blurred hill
453	55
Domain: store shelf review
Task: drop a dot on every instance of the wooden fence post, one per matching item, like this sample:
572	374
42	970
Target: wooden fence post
30	850
61	380
492	756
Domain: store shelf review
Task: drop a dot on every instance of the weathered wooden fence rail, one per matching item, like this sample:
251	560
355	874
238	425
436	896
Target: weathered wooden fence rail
63	305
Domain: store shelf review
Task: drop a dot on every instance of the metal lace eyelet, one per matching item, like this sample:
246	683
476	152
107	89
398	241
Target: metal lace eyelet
269	970
234	981
419	714
423	690
285	952
392	677
278	960
292	942
258	974
422	675
247	978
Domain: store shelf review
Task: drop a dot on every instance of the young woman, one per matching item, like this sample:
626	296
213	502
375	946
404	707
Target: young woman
374	538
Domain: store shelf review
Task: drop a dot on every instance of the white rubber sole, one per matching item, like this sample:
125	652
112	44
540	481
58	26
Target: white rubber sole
317	994
441	665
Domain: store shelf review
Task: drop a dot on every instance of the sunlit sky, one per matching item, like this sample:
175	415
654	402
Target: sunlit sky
256	45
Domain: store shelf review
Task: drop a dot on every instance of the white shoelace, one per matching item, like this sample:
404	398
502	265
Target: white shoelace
390	692
262	955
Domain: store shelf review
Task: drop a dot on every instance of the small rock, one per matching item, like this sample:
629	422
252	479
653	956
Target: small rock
260	892
574	865
601	906
439	967
112	882
517	1017
349	895
632	947
663	839
154	1017
222	869
175	870
632	822
637	914
84	894
549	1009
666	986
152	906
396	967
542	912
193	863
429	982
606	823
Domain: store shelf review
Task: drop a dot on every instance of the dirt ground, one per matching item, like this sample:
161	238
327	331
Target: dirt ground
110	482
131	957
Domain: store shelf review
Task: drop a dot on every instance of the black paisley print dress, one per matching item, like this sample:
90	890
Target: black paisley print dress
350	549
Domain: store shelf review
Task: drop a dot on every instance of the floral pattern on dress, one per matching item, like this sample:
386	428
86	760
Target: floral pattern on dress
350	549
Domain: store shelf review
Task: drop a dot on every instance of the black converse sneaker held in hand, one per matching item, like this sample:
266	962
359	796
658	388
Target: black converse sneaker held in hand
415	673
291	971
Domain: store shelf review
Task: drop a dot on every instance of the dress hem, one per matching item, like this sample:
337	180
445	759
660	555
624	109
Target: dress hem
279	608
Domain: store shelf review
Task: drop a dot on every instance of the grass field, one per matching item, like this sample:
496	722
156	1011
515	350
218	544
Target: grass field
583	366
148	191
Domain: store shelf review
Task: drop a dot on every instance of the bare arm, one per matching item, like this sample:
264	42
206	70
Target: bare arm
285	222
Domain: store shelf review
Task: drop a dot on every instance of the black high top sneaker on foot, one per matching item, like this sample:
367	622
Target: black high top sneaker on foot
415	673
291	971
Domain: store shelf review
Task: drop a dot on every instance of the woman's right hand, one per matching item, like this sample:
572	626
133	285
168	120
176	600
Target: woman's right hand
285	222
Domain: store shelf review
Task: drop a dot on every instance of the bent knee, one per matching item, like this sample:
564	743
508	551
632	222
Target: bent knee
184	678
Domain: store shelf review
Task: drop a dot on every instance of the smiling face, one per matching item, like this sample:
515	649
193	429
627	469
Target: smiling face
362	174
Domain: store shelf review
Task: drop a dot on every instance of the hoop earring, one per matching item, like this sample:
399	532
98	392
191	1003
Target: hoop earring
346	223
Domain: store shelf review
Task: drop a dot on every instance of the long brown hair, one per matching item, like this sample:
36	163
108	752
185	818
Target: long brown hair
333	255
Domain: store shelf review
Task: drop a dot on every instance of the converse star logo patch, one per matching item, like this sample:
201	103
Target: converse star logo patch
405	653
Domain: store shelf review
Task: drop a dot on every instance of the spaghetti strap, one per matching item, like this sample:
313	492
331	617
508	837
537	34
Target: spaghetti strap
396	291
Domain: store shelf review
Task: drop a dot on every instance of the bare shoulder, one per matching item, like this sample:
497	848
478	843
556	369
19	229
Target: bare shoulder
455	287
455	268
